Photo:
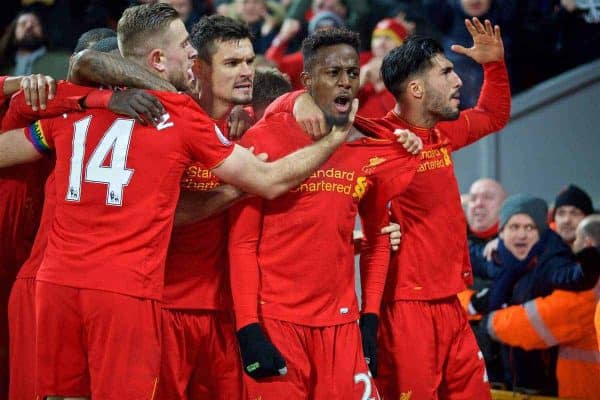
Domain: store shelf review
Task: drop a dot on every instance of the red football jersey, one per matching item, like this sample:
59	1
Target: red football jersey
21	186
117	184
196	271
433	259
292	258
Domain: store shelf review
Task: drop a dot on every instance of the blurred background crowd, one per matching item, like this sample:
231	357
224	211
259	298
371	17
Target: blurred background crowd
542	37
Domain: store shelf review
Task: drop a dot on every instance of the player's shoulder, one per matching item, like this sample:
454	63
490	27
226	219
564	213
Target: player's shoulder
273	129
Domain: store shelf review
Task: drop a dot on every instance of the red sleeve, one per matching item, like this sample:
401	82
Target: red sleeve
375	250
491	113
245	221
283	104
204	140
39	134
68	98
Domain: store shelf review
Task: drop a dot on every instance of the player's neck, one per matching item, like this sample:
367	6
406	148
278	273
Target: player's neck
414	115
214	107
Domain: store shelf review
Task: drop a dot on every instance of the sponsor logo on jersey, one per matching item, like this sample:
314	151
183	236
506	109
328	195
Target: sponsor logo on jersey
360	188
434	159
373	162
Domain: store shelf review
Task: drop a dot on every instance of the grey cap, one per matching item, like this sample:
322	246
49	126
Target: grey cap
534	207
325	19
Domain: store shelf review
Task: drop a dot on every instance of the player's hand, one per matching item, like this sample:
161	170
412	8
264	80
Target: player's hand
239	122
393	229
309	116
38	89
368	329
490	248
260	358
411	142
487	42
340	133
138	104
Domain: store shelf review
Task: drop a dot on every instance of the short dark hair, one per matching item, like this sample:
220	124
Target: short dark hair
89	38
214	28
139	22
324	38
413	57
106	45
269	84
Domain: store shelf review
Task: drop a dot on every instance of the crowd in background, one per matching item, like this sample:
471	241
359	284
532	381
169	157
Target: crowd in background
542	37
530	346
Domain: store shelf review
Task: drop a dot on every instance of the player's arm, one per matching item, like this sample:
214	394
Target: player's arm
90	67
492	111
195	206
374	262
247	172
16	149
260	358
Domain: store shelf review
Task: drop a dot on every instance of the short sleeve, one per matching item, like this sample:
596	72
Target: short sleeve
205	141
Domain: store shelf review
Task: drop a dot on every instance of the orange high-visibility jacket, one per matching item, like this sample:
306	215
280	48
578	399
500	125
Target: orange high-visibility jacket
562	318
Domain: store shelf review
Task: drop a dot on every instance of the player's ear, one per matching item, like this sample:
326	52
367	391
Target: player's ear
416	88
306	80
156	60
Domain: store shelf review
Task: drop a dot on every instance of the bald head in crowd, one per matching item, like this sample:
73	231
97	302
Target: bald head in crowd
485	198
587	233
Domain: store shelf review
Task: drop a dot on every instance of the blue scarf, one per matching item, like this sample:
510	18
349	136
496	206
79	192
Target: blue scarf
512	270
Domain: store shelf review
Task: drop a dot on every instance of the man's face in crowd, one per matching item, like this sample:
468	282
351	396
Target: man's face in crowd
28	32
381	45
519	235
567	218
179	55
476	8
334	80
251	11
442	89
231	71
485	198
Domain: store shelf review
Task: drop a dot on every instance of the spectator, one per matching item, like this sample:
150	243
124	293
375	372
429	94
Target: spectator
292	64
375	99
448	17
186	11
263	18
353	12
483	208
565	319
579	29
24	49
531	262
571	205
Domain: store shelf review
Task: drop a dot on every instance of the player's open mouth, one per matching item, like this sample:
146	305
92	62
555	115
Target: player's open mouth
342	103
243	86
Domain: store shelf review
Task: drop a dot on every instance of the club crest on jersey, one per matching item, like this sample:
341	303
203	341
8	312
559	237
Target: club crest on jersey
373	162
222	137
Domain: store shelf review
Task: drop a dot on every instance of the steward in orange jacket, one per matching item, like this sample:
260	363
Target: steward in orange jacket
562	318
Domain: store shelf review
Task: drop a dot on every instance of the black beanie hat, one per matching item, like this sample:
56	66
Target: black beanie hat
576	197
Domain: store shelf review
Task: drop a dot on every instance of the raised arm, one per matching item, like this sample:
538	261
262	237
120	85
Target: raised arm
94	68
492	111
